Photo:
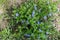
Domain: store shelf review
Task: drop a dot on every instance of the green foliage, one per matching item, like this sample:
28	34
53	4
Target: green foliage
2	2
31	21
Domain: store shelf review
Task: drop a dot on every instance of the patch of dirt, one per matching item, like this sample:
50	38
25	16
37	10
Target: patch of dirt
57	20
57	17
2	23
7	4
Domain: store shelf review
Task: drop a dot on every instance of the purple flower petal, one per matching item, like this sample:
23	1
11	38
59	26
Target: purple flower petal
33	13
40	30
45	17
17	14
38	22
47	32
35	7
27	35
50	14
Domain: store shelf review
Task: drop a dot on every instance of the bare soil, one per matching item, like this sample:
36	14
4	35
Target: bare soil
57	20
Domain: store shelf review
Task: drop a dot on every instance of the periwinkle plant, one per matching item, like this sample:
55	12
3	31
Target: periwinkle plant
32	18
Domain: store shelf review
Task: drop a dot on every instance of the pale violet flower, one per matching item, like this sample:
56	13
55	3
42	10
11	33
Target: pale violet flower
47	32
35	6
38	22
45	17
33	13
27	35
40	30
50	14
17	14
